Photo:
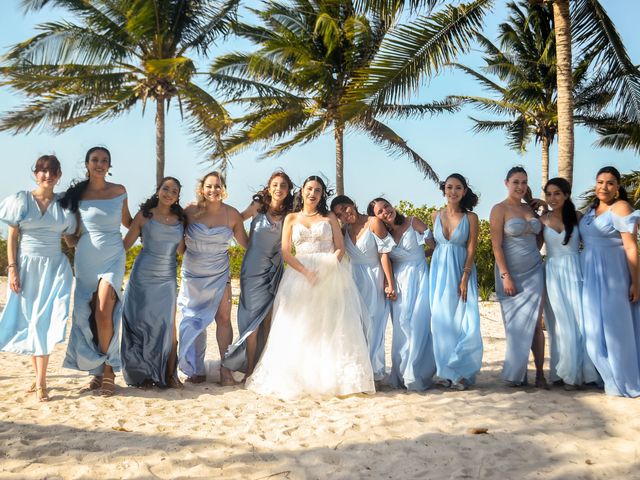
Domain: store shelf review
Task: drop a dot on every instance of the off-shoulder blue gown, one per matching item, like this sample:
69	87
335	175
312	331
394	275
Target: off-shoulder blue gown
520	312
611	322
100	257
412	361
35	319
150	305
563	310
455	324
369	277
205	274
262	269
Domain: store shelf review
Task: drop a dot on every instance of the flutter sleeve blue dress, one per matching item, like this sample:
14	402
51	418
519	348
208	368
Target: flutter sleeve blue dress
150	305
100	257
368	275
262	268
563	310
455	324
205	274
35	319
520	312
611	321
412	361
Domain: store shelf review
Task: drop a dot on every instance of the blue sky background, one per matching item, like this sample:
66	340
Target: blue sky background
446	141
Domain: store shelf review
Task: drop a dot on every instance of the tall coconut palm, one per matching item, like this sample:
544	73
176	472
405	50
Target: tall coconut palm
297	83
110	55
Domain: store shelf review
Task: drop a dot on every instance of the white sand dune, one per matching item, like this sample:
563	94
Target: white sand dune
206	431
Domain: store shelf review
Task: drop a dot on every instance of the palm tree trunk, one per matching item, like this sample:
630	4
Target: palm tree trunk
545	161
339	136
565	88
159	140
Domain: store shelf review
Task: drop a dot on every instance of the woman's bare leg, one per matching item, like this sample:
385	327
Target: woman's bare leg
224	333
105	303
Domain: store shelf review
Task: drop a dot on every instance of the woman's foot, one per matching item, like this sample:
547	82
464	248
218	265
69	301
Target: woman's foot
41	394
32	388
460	385
196	379
541	382
108	387
174	382
94	384
226	377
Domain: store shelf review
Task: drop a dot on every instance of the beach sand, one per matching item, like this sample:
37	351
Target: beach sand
206	431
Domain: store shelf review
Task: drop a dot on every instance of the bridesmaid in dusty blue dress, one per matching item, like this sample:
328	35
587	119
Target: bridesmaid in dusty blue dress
149	341
455	315
35	316
205	291
611	292
563	275
94	343
412	361
516	239
262	269
367	243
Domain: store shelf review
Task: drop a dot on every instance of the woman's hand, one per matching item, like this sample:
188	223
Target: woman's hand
634	292
71	240
509	286
463	287
311	276
390	293
14	280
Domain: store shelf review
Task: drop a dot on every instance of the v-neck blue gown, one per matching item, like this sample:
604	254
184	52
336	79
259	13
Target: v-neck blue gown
35	319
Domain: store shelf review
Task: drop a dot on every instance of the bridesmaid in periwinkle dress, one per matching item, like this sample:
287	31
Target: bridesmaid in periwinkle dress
149	341
611	292
516	239
205	292
367	243
262	269
412	361
34	318
563	277
94	343
455	315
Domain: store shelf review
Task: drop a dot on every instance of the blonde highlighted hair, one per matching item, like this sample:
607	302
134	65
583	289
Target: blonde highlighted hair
200	200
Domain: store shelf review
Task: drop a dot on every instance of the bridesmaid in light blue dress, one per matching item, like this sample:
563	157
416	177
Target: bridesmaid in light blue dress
205	292
367	243
412	361
611	292
149	341
455	315
35	316
94	343
262	269
563	275
516	239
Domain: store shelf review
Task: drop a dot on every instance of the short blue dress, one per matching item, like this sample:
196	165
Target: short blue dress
455	324
150	305
100	257
35	319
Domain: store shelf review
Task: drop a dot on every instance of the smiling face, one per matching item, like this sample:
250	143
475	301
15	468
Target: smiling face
517	185
346	213
607	187
46	175
555	197
384	211
454	191
278	189
312	193
212	189
168	193
98	163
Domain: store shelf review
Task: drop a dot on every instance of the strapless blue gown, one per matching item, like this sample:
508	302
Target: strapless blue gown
455	324
262	269
100	256
205	274
150	305
369	277
520	312
611	322
412	362
35	319
563	310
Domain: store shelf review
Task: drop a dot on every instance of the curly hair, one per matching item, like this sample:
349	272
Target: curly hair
470	199
153	200
263	197
200	201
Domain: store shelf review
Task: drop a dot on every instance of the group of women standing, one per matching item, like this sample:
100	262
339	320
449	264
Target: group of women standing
317	327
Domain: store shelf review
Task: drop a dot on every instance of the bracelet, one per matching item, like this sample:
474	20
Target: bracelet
467	269
504	275
12	265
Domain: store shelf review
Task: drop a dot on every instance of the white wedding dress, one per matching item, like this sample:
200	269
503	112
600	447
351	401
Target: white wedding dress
317	344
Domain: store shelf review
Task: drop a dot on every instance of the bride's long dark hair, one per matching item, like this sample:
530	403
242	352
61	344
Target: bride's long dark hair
298	202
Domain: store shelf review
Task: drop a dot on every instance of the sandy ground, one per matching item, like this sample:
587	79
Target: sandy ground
206	431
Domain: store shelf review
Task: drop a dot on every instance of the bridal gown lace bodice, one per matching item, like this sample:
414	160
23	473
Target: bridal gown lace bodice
315	239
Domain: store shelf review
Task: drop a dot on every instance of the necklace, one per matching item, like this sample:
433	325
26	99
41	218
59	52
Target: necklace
309	214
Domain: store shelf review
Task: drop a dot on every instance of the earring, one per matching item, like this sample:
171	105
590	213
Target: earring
617	195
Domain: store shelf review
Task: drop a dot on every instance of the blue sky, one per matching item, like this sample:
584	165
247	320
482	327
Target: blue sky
446	141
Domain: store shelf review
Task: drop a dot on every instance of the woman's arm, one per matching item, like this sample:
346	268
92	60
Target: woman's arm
288	257
421	227
126	214
338	239
496	221
239	233
134	231
12	258
251	211
630	246
379	230
472	245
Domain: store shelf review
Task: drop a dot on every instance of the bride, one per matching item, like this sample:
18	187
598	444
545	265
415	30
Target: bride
317	343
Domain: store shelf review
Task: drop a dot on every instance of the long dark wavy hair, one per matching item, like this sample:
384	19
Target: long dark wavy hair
298	202
470	199
342	200
622	193
71	198
400	218
569	215
263	197
153	200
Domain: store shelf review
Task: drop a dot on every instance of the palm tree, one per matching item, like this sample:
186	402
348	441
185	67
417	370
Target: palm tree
295	84
118	53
